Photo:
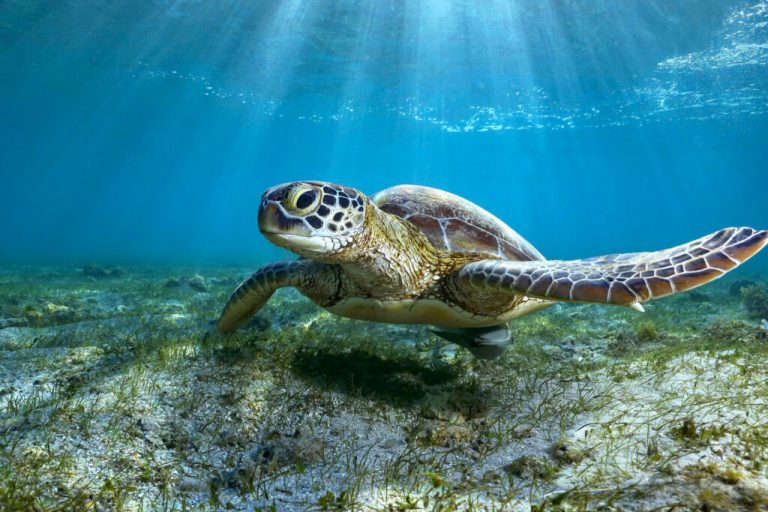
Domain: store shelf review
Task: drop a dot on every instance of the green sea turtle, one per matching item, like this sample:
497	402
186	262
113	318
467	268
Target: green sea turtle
417	255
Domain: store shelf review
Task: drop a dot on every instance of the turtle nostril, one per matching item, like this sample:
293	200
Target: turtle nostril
275	195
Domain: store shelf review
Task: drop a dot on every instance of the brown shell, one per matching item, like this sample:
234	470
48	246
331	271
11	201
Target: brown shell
454	224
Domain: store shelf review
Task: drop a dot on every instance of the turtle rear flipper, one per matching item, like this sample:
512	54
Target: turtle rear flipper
624	279
482	342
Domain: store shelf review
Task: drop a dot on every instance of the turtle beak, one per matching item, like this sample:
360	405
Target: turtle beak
289	232
273	220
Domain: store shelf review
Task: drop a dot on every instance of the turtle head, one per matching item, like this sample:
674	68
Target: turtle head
313	219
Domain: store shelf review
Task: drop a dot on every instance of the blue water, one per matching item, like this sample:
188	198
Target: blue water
145	132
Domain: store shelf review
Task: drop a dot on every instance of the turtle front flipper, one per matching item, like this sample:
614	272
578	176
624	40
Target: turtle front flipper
254	292
624	279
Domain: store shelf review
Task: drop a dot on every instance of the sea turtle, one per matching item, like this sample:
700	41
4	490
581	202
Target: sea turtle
417	255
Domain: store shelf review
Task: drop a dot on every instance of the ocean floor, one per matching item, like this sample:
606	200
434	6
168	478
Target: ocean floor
117	394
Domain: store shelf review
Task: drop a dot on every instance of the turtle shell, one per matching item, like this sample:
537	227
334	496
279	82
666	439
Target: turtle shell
454	224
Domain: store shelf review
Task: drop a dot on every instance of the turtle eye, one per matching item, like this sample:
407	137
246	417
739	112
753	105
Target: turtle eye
302	200
306	199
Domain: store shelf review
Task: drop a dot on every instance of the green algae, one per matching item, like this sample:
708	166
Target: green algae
755	300
647	331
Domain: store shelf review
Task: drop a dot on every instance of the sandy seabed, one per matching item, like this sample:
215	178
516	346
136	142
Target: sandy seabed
117	394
